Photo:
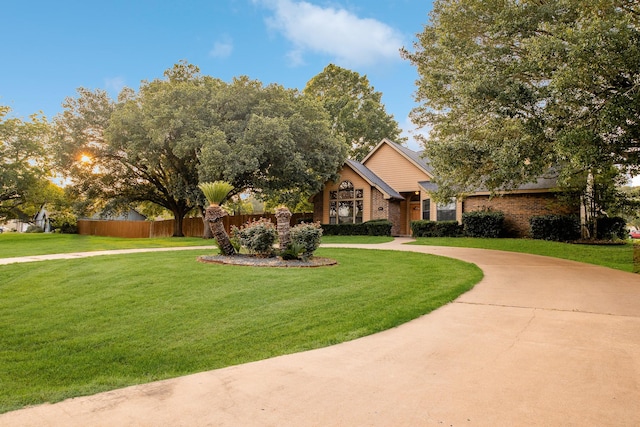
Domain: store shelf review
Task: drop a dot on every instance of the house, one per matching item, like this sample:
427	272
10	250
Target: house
395	183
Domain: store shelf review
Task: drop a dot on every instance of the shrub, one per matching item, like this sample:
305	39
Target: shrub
378	227
258	237
424	228
34	229
307	235
559	228
64	223
293	251
610	228
375	227
483	224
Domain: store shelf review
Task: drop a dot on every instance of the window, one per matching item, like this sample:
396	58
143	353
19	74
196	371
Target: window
426	209
447	212
346	204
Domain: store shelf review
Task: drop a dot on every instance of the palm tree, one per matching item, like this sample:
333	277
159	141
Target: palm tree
216	192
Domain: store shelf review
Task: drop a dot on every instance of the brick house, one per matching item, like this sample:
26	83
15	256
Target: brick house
393	182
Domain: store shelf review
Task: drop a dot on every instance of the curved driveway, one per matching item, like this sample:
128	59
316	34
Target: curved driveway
538	342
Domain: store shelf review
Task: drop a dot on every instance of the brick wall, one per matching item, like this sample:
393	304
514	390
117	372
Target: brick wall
518	208
318	208
394	217
377	202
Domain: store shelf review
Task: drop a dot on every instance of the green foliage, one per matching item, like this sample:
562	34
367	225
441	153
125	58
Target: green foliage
308	236
34	229
510	88
559	228
357	113
158	143
64	222
293	251
258	237
425	228
612	228
24	166
483	224
378	227
216	191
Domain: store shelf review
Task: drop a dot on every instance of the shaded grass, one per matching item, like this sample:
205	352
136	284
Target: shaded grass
82	326
23	244
619	257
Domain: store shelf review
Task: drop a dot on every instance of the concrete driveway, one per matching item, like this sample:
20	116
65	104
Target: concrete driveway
539	342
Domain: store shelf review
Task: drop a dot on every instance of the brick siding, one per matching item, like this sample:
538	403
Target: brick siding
519	208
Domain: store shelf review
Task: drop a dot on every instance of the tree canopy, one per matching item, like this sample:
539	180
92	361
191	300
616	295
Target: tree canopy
157	144
24	166
513	89
357	114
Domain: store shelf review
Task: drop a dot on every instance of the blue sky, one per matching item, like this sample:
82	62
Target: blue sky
50	48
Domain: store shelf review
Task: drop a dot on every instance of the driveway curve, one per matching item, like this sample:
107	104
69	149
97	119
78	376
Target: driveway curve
538	342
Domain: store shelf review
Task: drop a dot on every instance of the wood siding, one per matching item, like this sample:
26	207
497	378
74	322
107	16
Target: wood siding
396	170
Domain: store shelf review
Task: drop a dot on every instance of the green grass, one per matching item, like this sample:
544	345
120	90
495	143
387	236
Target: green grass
357	239
23	244
619	257
81	326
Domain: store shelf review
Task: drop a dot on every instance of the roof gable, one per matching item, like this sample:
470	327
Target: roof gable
373	180
413	157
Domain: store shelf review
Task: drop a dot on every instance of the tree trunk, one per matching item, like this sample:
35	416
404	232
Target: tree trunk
214	215
207	233
177	224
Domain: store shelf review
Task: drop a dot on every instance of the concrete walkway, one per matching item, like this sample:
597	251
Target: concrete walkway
538	342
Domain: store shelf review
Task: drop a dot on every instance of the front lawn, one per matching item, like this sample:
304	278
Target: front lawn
82	326
619	257
24	244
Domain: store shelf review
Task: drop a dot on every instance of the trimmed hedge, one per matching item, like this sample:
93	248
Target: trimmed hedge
559	228
610	228
424	228
483	224
376	227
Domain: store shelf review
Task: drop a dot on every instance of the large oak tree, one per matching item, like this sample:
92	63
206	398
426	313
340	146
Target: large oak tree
512	89
357	113
157	144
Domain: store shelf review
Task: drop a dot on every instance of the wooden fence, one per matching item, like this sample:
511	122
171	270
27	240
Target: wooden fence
191	227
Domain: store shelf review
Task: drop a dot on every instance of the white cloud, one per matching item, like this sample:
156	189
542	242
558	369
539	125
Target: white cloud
350	40
222	48
114	84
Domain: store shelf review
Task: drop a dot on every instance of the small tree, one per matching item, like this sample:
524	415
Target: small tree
216	192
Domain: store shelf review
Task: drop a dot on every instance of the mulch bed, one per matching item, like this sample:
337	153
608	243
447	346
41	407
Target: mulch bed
255	261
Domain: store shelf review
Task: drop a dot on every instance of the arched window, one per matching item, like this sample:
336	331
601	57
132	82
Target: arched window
346	204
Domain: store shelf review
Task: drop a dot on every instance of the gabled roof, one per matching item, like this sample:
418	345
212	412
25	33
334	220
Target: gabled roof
374	180
414	157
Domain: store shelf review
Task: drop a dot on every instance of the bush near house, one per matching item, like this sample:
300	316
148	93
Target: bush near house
483	224
610	228
375	227
559	228
424	228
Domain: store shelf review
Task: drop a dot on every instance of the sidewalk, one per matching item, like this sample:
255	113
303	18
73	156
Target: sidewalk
538	342
34	258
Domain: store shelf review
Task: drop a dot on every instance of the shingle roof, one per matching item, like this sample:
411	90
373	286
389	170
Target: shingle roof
542	183
374	179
